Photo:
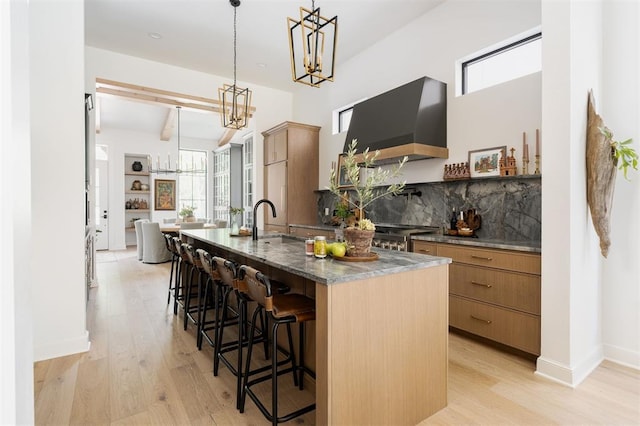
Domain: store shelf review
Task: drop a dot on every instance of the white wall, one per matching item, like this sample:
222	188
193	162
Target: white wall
272	106
56	49
16	335
620	108
590	304
429	46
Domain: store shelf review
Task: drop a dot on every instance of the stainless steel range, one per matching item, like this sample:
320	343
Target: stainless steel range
398	237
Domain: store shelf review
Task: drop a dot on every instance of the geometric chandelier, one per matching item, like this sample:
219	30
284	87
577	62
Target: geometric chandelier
312	45
235	101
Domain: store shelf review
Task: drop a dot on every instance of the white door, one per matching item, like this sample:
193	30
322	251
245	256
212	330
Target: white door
102	199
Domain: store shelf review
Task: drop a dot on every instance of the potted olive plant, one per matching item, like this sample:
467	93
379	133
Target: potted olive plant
187	214
233	213
365	191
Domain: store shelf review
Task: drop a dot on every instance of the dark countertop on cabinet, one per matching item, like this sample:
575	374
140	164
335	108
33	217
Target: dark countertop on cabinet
526	246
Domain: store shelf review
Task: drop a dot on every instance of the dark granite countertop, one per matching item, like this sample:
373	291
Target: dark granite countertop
526	246
287	253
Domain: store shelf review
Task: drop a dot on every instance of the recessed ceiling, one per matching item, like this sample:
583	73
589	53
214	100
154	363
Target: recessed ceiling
198	35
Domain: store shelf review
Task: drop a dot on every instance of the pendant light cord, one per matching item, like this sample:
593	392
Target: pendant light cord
235	11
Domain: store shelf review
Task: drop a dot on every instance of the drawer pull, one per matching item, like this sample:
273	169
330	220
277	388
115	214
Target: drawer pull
481	284
424	251
473	256
480	319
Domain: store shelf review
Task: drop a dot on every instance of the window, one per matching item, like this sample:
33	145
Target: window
221	198
192	186
247	170
342	117
507	62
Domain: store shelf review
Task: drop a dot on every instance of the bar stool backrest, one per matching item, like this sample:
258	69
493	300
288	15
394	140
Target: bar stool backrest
169	241
184	253
177	244
194	259
227	271
257	286
205	260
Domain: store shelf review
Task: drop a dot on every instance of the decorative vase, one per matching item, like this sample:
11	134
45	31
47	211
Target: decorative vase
190	218
358	241
235	230
136	185
136	166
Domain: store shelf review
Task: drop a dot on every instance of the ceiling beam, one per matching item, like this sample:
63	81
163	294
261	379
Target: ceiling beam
226	137
167	129
142	93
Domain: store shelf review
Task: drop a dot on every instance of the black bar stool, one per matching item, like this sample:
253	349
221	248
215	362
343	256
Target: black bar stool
175	258
213	296
228	275
179	279
281	309
190	266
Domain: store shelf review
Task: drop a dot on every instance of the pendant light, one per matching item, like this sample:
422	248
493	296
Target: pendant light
312	45
235	101
180	166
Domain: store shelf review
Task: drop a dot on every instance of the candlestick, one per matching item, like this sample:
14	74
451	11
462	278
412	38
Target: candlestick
537	142
524	143
525	165
537	170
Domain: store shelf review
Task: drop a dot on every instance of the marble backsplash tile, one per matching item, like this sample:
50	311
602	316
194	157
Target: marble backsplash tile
510	207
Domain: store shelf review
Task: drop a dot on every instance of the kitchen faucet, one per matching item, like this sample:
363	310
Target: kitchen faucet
254	231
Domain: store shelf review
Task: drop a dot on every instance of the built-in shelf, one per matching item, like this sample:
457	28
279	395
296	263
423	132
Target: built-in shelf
132	173
137	210
132	191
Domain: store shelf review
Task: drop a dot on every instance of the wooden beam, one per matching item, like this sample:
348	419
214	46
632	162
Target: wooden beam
150	93
167	129
226	137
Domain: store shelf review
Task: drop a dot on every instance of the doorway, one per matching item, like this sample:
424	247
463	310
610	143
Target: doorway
102	197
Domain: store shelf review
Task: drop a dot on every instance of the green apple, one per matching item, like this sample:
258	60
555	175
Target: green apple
329	248
339	249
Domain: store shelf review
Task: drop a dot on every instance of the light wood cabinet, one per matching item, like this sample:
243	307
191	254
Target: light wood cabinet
493	293
291	174
300	231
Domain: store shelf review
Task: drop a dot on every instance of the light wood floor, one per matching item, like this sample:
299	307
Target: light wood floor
144	369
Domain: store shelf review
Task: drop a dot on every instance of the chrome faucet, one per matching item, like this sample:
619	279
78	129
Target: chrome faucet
254	231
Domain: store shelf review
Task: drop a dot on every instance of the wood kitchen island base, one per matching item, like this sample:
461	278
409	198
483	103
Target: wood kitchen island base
381	329
383	344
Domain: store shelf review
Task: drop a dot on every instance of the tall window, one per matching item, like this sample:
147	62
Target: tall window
247	171
192	187
507	62
341	117
221	170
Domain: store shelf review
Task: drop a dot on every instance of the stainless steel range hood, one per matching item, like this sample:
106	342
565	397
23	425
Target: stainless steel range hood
409	120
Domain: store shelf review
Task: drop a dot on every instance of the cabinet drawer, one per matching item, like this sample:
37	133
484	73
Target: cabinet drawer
501	259
424	247
509	289
518	330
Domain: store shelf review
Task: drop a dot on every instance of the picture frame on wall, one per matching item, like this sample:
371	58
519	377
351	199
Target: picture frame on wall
165	194
341	174
485	162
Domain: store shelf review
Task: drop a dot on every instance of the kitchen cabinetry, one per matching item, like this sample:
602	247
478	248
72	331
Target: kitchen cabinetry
140	199
291	174
310	232
493	293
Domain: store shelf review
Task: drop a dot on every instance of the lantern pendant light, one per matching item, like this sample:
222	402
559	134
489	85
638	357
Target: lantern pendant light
235	101
312	44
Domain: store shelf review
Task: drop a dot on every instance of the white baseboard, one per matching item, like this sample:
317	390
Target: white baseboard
622	356
63	348
567	375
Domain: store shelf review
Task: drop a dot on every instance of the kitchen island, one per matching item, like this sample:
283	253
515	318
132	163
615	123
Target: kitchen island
380	350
